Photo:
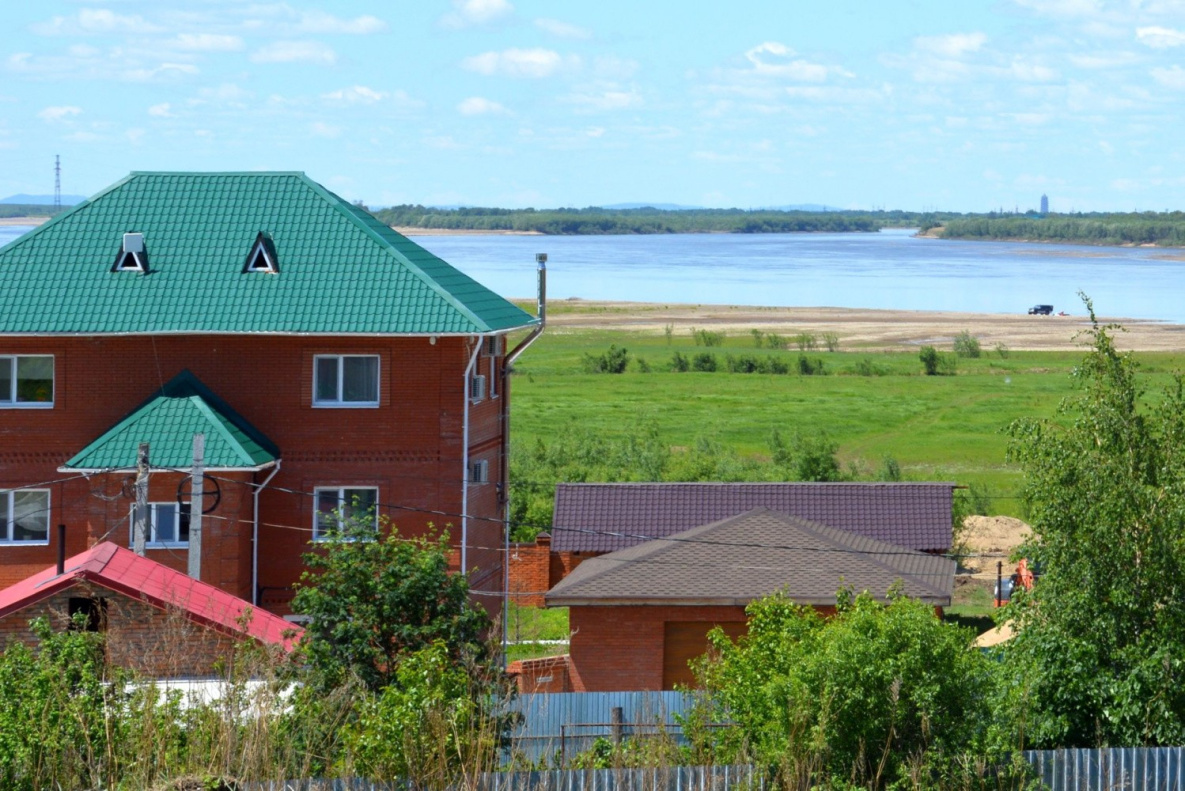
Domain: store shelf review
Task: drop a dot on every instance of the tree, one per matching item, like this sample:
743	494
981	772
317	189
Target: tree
374	599
862	697
1099	656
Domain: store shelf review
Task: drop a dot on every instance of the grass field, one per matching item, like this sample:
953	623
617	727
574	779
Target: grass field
936	427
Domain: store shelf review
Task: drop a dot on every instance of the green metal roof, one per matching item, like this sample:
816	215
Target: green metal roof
341	271
167	422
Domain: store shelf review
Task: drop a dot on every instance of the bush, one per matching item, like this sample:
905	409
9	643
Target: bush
704	361
776	365
707	337
641	364
680	363
1002	350
806	341
890	470
866	367
809	367
774	341
613	361
935	363
668	330
966	345
758	337
807	457
831	341
742	364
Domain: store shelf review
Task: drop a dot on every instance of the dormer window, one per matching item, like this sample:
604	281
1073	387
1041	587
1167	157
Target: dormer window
262	257
132	255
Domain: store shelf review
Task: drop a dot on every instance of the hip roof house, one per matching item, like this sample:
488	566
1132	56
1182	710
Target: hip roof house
335	368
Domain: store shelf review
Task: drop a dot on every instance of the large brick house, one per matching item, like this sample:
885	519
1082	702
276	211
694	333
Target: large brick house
332	365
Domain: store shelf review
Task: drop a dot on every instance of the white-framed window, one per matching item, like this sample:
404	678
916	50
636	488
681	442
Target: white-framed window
477	387
339	505
26	516
479	471
168	525
346	380
493	348
26	380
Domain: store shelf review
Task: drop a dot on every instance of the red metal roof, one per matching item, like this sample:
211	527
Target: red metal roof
120	570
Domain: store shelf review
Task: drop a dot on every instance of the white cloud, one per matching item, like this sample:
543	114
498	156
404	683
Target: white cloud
95	20
163	70
206	42
1171	77
1160	37
355	94
322	129
476	12
954	45
562	29
606	99
774	59
60	113
162	110
476	105
320	22
534	63
295	52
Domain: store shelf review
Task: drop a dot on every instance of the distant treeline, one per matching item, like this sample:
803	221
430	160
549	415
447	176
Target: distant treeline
593	220
1162	228
28	210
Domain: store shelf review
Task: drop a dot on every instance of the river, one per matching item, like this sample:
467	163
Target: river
891	269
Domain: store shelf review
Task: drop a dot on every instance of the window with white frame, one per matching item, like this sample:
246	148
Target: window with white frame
168	525
346	380
26	516
344	508
26	380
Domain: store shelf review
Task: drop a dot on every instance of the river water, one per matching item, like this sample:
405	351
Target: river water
891	269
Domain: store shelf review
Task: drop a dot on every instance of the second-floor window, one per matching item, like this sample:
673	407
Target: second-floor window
345	510
168	525
346	380
25	514
26	380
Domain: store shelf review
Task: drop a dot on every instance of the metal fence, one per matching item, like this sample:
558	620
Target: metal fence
1111	769
674	778
562	724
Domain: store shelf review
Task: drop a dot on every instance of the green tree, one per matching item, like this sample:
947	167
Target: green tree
863	697
373	600
1099	656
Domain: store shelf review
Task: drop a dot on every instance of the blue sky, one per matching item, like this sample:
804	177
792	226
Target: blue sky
967	105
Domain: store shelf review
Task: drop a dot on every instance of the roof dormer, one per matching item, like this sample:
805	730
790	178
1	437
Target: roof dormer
262	257
133	257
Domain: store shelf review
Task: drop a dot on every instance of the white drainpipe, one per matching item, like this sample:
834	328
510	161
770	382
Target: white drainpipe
465	458
255	537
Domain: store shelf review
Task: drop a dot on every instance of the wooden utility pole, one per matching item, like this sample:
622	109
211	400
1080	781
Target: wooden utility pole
197	484
140	522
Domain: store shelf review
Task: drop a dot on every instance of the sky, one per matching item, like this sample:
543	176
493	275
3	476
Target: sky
971	105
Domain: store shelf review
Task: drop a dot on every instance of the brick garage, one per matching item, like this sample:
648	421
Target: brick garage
157	621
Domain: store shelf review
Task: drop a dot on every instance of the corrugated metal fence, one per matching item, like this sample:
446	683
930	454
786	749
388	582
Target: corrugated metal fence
1112	769
566	723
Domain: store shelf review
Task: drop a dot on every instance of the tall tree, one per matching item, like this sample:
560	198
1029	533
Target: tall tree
1099	658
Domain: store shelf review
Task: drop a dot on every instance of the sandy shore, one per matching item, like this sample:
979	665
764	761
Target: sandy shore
458	232
862	328
23	220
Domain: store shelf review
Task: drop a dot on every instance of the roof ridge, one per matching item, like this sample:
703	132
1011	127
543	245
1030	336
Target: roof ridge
219	426
25	237
346	209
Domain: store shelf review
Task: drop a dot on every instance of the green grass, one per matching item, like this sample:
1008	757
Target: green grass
936	427
536	623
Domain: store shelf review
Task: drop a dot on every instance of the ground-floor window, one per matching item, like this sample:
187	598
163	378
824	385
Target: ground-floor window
26	516
342	507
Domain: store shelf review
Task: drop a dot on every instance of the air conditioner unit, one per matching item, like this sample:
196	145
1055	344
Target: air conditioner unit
477	388
493	346
479	471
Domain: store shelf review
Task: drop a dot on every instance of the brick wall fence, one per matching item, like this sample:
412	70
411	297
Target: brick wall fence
535	569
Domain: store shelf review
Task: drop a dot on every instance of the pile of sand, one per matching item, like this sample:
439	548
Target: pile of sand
989	539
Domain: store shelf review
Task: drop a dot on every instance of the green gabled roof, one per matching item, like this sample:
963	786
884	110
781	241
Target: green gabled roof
167	422
340	270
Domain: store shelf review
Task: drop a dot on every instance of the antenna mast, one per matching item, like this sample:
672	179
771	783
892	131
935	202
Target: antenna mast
57	183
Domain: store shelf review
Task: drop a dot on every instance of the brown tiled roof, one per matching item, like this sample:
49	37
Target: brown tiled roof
749	556
604	517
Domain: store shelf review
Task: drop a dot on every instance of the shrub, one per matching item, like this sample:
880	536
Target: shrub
866	367
704	361
776	365
707	337
809	367
668	330
758	337
641	364
831	341
807	457
1002	350
805	340
890	470
935	363
966	345
614	361
680	363
742	364
774	341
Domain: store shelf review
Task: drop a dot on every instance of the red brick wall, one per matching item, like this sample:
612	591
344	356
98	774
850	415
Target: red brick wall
621	648
410	447
530	566
546	674
141	637
563	564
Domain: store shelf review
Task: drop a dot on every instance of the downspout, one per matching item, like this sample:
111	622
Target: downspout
504	452
465	458
255	536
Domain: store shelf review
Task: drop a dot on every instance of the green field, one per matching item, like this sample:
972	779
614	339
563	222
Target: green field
935	427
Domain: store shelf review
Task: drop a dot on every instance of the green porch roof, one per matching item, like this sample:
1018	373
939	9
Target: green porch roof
341	271
167	422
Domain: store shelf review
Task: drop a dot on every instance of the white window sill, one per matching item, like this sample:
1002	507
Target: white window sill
166	546
18	405
341	539
345	405
43	543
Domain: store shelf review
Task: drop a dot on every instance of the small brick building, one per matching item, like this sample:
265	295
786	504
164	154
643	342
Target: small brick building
639	615
157	621
335	368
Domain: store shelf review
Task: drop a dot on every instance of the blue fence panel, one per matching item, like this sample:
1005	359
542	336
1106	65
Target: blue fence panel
1110	769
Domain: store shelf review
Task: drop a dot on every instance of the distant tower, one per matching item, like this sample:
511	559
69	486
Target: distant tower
1045	204
57	183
